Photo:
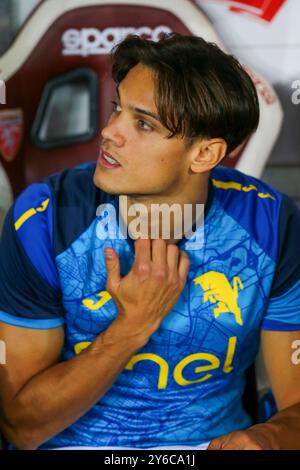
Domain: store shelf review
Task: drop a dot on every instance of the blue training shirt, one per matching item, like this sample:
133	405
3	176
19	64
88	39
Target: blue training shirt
184	387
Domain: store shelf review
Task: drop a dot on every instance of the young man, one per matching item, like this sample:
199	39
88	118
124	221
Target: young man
112	342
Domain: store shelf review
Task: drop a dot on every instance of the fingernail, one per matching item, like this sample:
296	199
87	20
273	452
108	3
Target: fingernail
109	252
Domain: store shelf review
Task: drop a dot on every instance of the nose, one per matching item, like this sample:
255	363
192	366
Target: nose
113	132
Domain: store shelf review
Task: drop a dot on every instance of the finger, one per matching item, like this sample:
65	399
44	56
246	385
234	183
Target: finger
216	444
113	270
183	267
231	441
159	253
173	258
142	249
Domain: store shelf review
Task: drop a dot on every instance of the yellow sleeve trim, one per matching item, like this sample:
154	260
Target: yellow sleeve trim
238	187
30	212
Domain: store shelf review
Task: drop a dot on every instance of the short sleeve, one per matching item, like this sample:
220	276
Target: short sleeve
283	309
30	294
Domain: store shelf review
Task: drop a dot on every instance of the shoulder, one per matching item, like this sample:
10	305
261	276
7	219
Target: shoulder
69	188
61	206
48	216
73	186
254	204
240	185
45	218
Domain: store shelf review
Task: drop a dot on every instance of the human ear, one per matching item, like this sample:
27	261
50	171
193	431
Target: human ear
207	154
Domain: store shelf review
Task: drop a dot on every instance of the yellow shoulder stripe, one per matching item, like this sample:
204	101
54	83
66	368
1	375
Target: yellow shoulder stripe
238	187
21	220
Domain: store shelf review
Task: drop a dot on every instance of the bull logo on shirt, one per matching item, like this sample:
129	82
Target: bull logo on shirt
218	290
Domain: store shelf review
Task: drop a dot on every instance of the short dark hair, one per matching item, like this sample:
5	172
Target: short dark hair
200	90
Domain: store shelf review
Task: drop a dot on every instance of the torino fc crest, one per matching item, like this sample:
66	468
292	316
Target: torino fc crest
11	124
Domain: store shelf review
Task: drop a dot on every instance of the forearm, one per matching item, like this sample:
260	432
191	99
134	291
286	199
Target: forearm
54	399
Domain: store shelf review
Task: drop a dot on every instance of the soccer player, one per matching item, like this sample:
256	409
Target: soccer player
113	340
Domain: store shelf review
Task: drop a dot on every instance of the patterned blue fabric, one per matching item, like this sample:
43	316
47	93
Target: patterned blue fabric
185	385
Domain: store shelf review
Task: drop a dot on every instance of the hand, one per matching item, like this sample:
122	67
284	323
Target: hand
258	437
151	289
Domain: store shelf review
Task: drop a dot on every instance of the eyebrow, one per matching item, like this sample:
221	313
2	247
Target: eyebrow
140	110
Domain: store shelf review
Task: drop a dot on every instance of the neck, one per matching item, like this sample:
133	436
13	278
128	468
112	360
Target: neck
169	217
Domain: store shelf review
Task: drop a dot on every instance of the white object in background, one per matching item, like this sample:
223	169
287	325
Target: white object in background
6	197
259	147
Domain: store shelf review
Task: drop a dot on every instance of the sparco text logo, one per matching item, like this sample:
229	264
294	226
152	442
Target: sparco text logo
92	41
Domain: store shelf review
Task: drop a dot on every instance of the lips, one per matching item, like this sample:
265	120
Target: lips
107	160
